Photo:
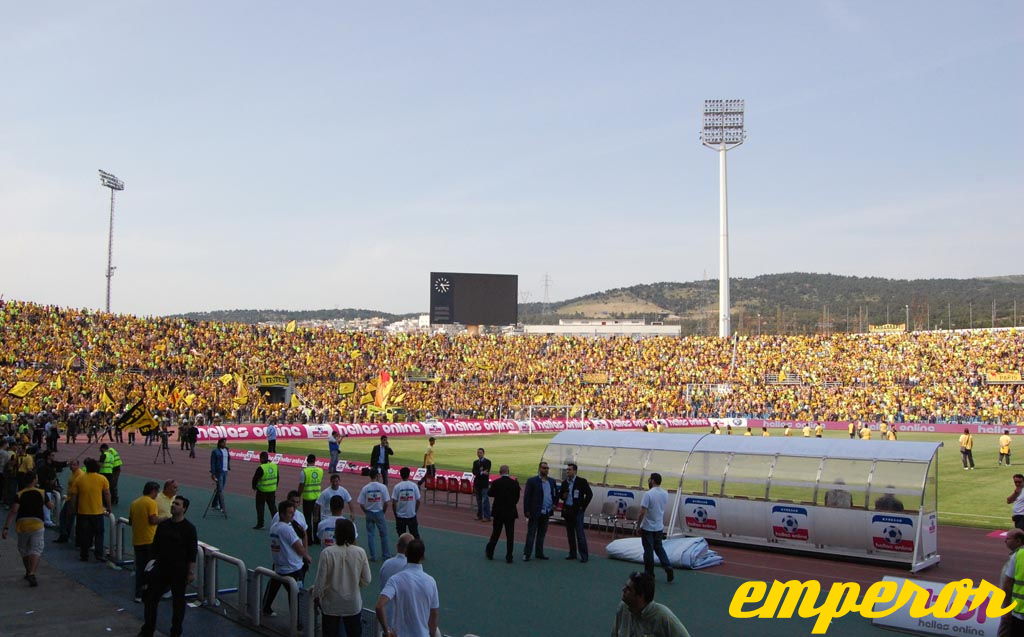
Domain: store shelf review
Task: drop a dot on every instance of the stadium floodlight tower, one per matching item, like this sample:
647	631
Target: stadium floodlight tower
112	182
722	131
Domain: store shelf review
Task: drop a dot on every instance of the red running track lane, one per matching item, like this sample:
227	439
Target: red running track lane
966	552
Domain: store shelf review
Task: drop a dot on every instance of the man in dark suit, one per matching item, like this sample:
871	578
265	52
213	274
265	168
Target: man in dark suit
505	492
379	458
538	504
482	482
575	495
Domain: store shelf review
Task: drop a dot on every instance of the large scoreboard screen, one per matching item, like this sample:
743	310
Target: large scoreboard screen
474	299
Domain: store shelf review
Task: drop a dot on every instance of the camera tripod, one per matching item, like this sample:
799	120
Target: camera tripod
218	496
163	452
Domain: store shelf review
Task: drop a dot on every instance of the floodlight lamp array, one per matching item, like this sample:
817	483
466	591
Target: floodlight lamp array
110	181
723	122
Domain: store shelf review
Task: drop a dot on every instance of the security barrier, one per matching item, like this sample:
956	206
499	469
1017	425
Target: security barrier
117	547
210	593
256	607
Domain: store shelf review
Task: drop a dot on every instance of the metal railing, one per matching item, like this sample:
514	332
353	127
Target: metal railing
256	608
110	536
209	592
118	543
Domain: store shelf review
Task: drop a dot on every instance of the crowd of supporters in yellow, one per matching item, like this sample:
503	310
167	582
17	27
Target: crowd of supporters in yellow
180	365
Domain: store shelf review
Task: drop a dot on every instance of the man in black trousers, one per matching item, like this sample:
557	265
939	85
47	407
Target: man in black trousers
505	492
575	495
380	458
538	504
174	566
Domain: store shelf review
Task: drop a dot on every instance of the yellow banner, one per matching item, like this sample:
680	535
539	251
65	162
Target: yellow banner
290	327
1003	377
596	378
365	398
270	380
295	402
22	388
138	417
226	379
888	327
346	388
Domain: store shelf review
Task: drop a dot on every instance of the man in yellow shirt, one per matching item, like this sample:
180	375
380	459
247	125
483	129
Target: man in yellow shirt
806	431
90	500
818	429
1004	447
967	449
428	461
865	433
142	514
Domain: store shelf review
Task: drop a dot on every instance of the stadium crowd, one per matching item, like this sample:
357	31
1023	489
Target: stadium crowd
180	365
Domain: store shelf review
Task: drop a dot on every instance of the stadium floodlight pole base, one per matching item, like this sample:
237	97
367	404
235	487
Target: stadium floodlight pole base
213	498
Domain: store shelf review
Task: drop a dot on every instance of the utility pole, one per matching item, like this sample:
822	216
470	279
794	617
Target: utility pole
993	313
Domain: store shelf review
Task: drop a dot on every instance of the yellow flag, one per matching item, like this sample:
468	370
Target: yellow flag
22	388
346	388
60	382
106	402
290	327
138	417
189	399
296	403
226	379
355	354
241	391
366	398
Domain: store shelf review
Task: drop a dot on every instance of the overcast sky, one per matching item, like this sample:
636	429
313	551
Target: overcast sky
331	154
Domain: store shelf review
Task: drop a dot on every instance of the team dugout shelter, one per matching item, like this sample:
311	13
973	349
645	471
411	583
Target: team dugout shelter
875	500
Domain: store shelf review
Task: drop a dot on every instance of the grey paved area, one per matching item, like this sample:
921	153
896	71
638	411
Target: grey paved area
84	599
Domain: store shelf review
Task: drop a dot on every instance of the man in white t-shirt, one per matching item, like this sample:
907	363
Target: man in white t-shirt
652	526
325	530
323	502
298	522
1017	500
408	605
373	500
288	551
393	565
406	496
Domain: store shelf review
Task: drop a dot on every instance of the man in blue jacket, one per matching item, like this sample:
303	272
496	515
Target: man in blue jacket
220	464
538	504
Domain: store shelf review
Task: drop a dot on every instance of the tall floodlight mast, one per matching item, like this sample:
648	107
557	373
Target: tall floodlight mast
723	131
112	182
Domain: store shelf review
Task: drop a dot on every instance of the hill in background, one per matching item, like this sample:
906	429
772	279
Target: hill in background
791	303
